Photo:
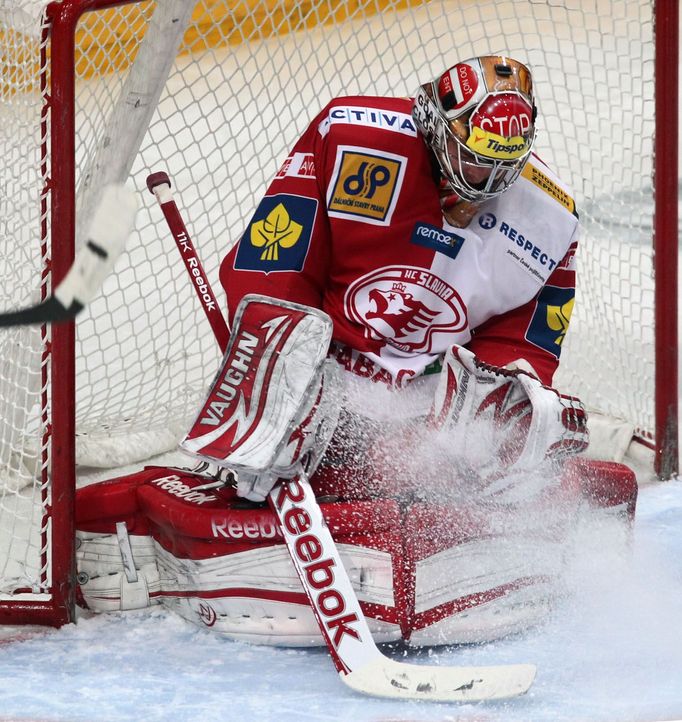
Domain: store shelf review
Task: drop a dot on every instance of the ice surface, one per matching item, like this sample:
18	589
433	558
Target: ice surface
611	652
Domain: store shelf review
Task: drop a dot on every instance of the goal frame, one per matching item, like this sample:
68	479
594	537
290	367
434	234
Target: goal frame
59	201
665	240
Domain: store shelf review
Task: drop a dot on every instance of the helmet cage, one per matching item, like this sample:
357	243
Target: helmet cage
448	146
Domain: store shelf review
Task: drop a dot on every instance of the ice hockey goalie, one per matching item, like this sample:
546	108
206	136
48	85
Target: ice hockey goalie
454	524
397	305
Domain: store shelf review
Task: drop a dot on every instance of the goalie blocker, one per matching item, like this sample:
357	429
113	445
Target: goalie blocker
425	572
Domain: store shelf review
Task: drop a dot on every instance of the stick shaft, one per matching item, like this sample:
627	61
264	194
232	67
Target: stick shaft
159	185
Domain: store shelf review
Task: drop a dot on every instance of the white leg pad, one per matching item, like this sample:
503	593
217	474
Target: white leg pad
256	596
484	589
509	614
102	576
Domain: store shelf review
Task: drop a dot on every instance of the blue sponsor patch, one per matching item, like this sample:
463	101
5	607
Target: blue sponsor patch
278	236
437	239
547	328
487	221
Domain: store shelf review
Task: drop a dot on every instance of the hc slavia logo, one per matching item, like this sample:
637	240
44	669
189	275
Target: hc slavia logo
406	306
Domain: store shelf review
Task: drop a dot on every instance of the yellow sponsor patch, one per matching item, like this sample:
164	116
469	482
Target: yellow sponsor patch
277	230
491	145
550	187
558	318
365	186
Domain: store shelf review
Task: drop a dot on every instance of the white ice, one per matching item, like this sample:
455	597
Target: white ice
613	651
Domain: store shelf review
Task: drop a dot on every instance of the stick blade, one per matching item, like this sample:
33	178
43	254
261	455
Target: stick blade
384	677
111	225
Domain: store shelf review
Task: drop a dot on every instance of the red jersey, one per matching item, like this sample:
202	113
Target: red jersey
352	223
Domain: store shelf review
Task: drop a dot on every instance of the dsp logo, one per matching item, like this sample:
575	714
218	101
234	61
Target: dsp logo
278	236
365	186
548	326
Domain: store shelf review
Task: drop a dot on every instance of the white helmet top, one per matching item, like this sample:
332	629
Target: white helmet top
478	118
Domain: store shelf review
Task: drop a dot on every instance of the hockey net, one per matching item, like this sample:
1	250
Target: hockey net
243	82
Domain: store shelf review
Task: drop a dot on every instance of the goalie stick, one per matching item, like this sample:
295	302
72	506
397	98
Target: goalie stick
358	660
109	229
160	186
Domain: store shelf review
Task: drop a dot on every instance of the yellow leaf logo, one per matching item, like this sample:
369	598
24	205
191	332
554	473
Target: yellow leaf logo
275	230
558	318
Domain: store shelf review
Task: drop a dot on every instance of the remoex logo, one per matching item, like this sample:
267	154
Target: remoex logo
506	114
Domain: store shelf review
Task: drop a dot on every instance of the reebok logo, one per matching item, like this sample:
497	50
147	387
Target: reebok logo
317	568
254	530
194	268
174	485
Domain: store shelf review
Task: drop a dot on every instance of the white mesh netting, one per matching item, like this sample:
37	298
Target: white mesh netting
248	78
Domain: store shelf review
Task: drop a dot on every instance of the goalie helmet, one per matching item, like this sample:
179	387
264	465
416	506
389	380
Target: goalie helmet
478	118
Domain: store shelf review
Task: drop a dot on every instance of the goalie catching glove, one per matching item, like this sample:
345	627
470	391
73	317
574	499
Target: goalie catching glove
269	414
501	420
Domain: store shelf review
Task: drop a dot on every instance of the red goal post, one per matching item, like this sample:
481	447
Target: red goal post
102	89
666	238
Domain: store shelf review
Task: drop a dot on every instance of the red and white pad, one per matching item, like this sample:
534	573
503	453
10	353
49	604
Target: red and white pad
190	545
478	577
265	411
502	420
433	573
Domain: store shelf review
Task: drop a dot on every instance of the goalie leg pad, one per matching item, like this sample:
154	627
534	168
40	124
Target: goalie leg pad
477	578
223	563
606	485
115	553
269	409
440	576
104	580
